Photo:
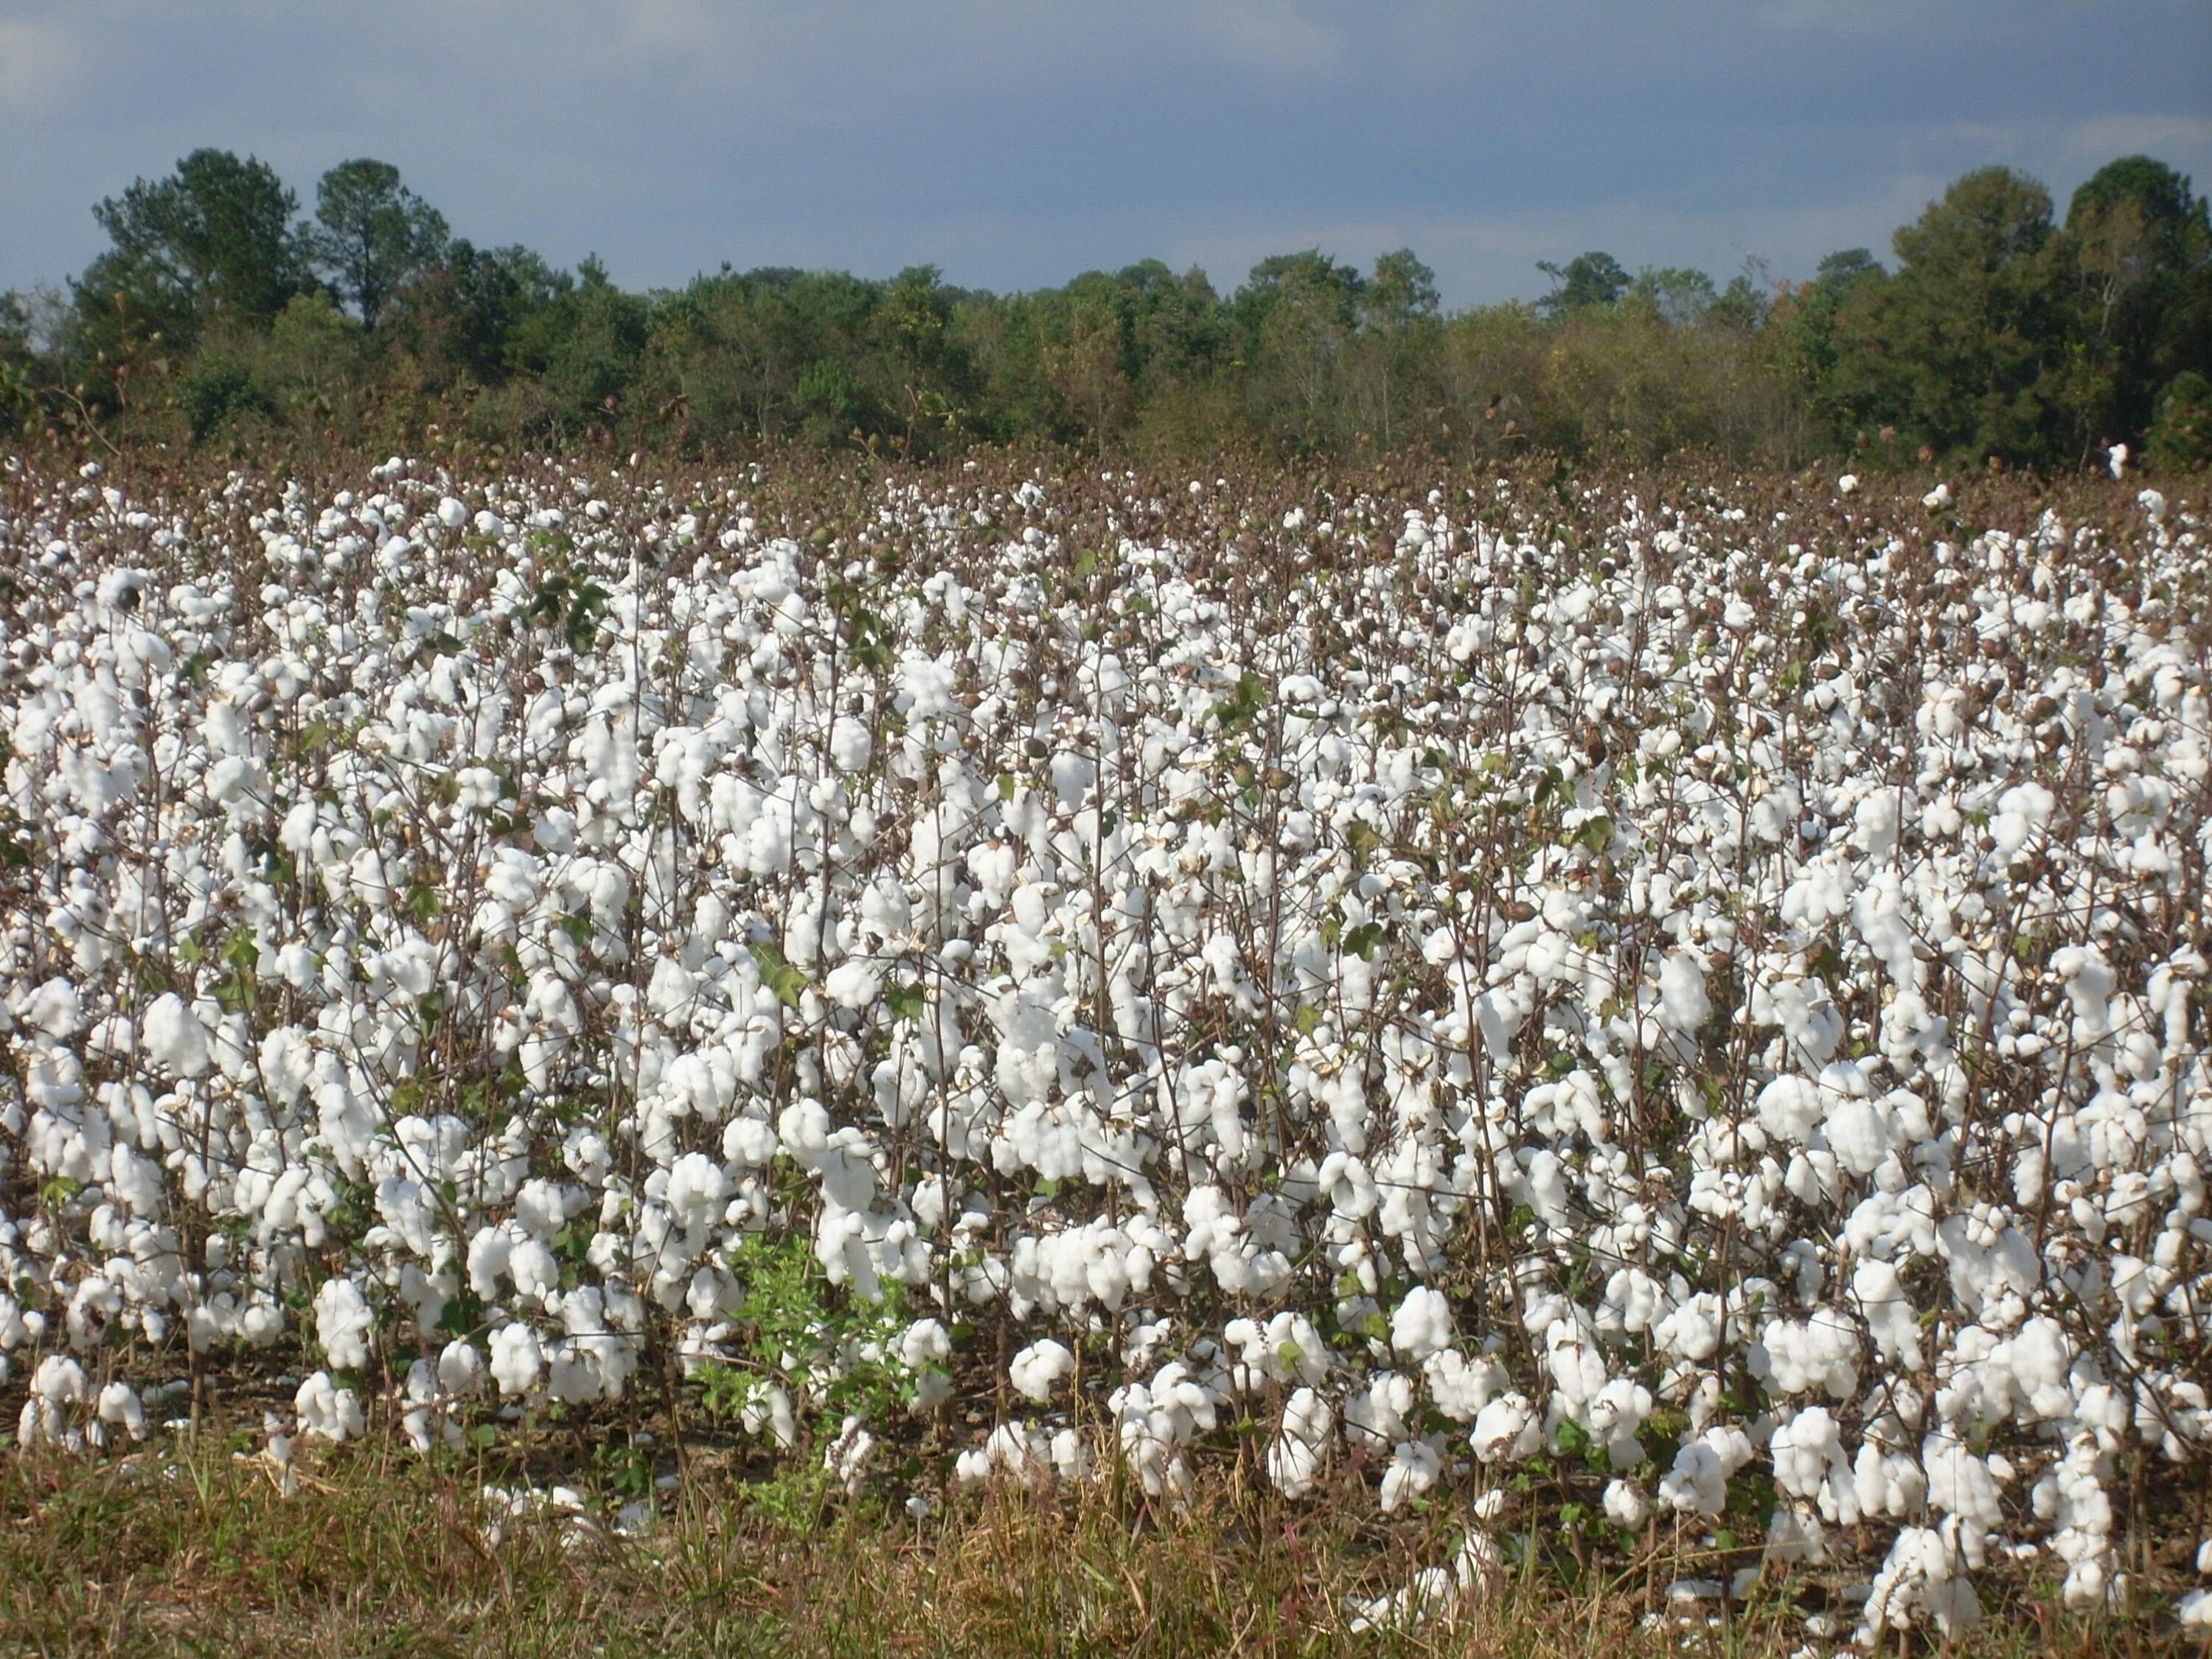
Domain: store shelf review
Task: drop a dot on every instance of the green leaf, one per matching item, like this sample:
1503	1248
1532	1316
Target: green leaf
779	977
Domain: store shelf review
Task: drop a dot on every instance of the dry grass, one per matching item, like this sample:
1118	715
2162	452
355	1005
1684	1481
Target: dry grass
192	1548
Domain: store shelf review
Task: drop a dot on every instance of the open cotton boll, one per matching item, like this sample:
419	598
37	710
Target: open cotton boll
517	1359
1294	1459
1507	1431
1625	1504
174	1038
1035	1369
1684	1006
119	1405
851	745
341	1323
1698	1483
1422	1325
326	1411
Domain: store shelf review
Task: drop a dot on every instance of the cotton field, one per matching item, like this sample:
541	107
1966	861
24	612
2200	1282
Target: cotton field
1639	1013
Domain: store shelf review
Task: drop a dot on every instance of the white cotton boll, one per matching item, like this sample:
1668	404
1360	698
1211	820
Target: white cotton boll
925	1342
119	1405
1422	1325
535	1268
1697	1484
1684	1006
2194	1610
1937	497
1294	1459
1858	1134
1460	1389
59	1381
1414	1467
850	744
326	1411
461	1370
341	1323
174	1038
516	1359
1807	1448
1789	1108
452	514
1626	1503
854	983
698	1191
55	1009
1890	1317
1507	1430
1847	483
1035	1369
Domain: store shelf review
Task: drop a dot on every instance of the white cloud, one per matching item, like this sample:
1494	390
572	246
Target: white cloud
40	57
1267	35
2184	141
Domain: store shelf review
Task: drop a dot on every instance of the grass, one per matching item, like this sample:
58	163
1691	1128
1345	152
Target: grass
192	1547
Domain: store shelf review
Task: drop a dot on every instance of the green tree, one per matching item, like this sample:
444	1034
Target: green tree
1587	280
2139	247
372	234
1966	347
214	242
18	402
1298	313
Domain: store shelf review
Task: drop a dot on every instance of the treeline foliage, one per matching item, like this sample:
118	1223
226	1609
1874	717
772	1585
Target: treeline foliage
220	314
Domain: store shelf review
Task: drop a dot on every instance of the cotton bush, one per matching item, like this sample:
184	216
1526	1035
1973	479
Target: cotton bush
1449	983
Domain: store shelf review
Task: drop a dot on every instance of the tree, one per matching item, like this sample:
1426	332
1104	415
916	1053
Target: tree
1401	292
460	320
213	242
17	402
2139	250
1587	280
1676	294
1966	346
372	234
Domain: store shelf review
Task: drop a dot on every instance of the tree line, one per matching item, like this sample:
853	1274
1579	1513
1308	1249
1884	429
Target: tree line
222	316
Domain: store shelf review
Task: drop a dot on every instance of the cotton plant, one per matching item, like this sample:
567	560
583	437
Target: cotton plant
1715	991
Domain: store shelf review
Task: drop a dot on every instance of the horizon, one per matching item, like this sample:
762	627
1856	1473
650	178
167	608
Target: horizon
1015	148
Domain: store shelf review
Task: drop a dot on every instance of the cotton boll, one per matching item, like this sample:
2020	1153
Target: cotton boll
517	1360
1422	1325
1625	1504
1294	1459
326	1411
1413	1468
174	1039
1890	1314
925	1342
461	1370
850	744
1035	1370
343	1322
1507	1430
119	1405
1684	1006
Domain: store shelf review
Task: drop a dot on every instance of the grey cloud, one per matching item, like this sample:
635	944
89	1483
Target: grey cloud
1016	143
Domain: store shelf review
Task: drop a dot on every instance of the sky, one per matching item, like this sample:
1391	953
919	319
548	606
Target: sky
1016	143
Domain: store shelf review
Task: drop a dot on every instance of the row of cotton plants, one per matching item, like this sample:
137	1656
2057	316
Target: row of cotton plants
1640	1011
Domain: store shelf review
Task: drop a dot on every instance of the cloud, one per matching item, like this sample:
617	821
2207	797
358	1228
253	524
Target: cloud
40	61
2185	140
1267	35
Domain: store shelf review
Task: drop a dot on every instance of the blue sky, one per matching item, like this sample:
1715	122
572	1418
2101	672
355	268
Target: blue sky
1015	144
